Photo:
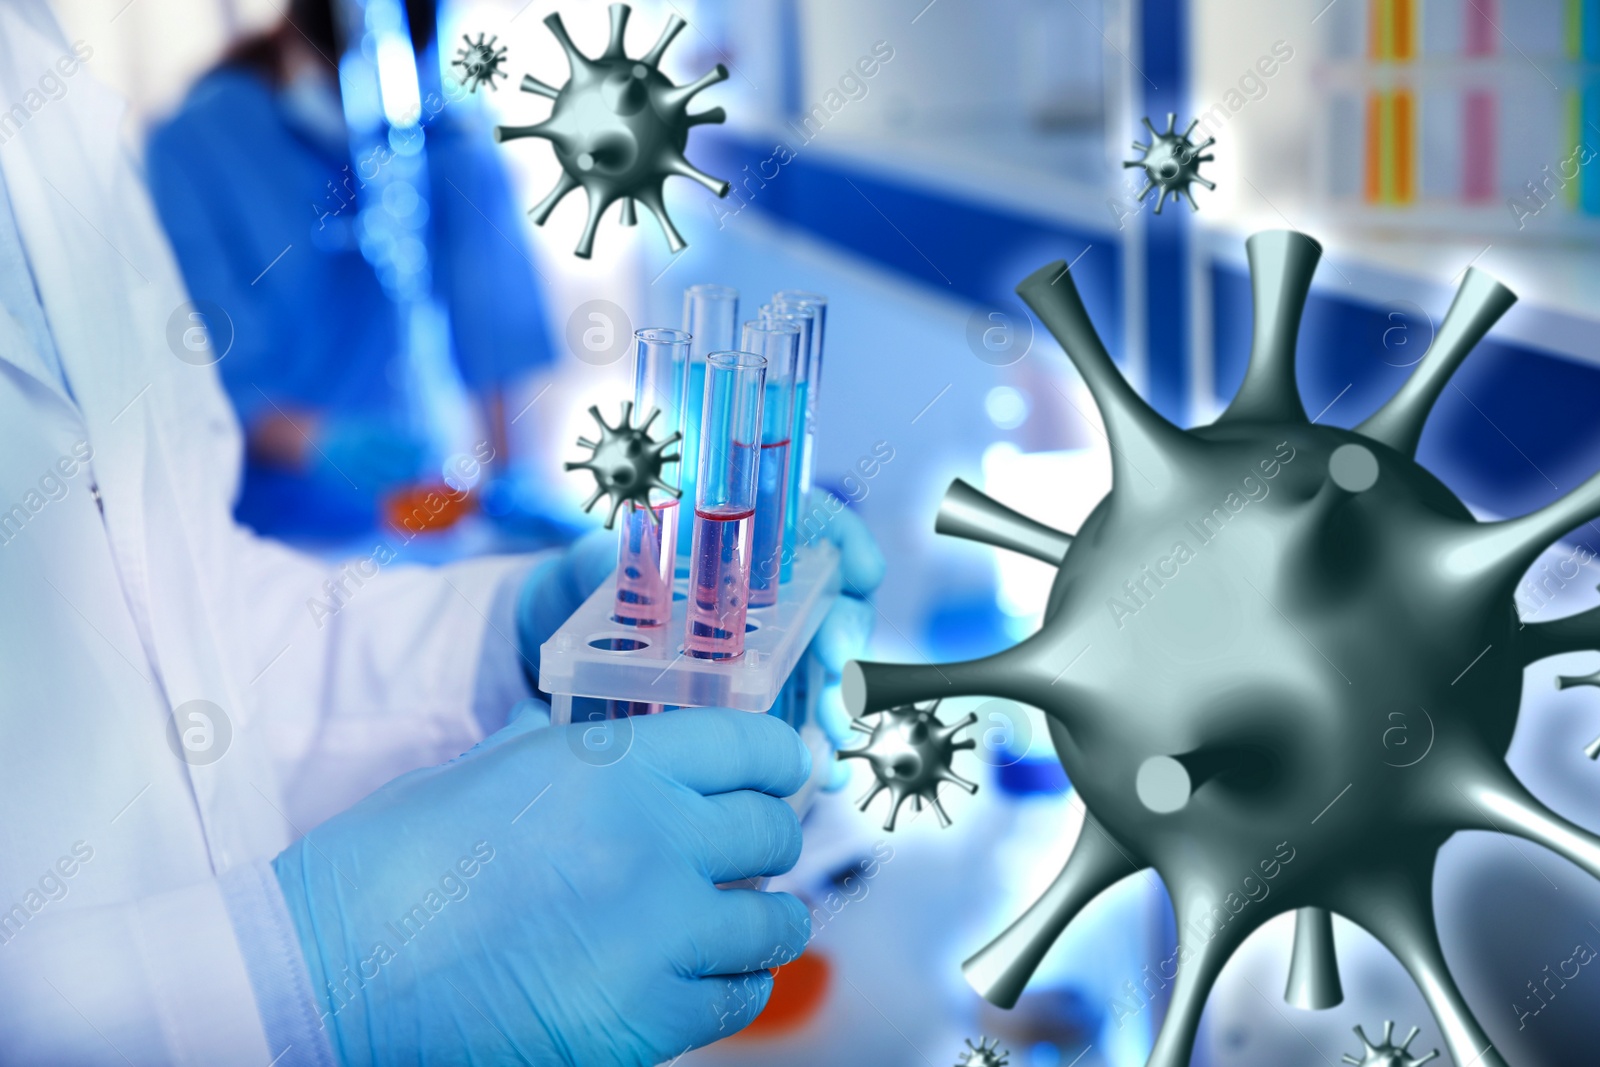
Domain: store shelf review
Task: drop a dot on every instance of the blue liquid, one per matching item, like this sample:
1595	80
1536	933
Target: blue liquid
772	484
793	505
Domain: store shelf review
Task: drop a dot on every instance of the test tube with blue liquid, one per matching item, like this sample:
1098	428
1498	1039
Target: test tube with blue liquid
710	317
647	548
779	343
807	401
725	505
804	318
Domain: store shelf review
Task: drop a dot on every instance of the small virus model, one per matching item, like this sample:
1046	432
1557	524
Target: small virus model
626	462
1567	681
619	128
1224	643
1386	1054
986	1053
910	751
479	62
1172	162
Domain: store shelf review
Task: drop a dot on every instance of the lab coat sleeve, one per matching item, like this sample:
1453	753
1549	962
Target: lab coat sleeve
158	980
359	672
290	1012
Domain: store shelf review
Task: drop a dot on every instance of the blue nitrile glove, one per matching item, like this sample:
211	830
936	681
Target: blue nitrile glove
556	588
525	507
550	897
371	452
844	633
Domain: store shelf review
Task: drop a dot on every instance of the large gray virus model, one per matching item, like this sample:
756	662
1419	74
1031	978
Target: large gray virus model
1226	640
909	750
1172	162
479	62
626	462
1386	1053
986	1053
619	128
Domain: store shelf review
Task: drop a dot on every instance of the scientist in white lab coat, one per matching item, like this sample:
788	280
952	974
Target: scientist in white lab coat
172	718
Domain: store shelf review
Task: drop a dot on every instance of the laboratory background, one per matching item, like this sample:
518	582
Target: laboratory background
911	161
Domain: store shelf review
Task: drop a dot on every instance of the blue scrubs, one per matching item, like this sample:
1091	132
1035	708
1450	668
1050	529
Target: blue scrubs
260	206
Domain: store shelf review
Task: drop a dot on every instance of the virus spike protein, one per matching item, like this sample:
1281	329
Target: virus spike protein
1281	265
1314	965
1000	971
1278	626
619	128
674	26
1478	305
1399	913
616	46
1192	985
969	514
1143	444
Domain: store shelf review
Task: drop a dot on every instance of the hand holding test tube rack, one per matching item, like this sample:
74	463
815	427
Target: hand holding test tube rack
715	598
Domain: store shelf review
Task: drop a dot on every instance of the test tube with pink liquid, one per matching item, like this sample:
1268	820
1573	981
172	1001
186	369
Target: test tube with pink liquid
649	539
725	505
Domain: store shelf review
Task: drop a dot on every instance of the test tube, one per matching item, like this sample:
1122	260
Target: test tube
779	343
804	317
725	505
819	307
646	550
711	318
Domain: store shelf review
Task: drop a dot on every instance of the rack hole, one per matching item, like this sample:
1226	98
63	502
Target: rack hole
618	644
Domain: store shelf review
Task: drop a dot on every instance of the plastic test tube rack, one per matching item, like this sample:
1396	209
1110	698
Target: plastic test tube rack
594	656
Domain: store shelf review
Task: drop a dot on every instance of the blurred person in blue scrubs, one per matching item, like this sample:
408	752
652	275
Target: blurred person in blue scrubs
254	183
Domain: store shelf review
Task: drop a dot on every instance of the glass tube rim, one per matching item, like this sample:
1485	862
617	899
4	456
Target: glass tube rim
735	360
712	289
757	326
799	296
785	308
663	335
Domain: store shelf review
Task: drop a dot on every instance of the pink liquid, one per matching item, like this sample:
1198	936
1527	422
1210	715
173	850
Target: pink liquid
644	565
719	583
772	487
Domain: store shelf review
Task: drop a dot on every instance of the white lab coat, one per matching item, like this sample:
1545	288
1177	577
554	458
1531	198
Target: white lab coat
112	619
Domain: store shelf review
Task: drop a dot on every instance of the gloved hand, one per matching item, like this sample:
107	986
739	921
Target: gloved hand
525	506
541	900
557	587
372	452
844	633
